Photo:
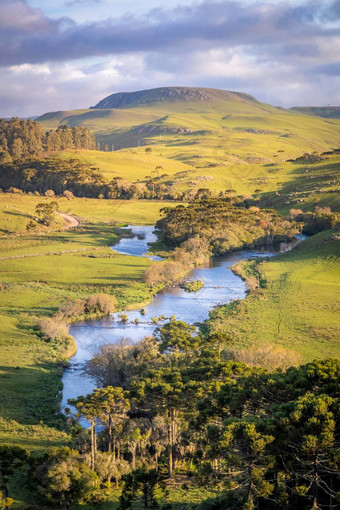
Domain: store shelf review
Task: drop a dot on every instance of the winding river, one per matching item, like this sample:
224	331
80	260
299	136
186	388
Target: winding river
221	286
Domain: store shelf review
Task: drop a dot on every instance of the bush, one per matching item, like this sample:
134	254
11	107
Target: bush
163	273
68	194
101	303
53	328
192	286
267	356
73	309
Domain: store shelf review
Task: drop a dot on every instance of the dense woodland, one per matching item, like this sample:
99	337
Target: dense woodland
25	138
227	226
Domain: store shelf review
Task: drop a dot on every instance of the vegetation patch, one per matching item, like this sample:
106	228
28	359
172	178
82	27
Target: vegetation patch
295	308
192	286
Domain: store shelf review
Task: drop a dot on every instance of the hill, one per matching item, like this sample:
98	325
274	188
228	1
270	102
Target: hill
328	112
214	139
202	126
172	95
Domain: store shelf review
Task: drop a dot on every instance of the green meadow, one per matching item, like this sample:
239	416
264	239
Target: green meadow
35	286
230	141
297	306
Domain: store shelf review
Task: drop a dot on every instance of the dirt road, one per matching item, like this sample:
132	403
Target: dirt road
71	221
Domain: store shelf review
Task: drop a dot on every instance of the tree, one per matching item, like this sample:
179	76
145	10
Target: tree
17	148
176	337
113	405
46	211
140	486
88	408
162	392
246	451
12	458
65	479
309	443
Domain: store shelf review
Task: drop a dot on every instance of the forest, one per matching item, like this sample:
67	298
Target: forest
25	138
173	404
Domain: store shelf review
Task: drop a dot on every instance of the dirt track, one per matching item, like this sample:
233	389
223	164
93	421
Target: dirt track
71	221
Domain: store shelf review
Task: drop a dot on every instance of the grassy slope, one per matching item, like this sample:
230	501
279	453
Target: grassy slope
234	143
299	307
35	286
284	185
329	112
131	165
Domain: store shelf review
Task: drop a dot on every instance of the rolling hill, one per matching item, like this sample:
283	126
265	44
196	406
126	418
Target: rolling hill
208	138
327	112
234	123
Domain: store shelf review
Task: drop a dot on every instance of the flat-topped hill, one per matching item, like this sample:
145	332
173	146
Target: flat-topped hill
171	95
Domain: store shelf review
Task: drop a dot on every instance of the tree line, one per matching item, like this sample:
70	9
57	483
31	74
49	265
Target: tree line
54	176
26	138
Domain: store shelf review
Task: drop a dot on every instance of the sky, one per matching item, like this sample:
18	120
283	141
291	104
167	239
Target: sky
69	54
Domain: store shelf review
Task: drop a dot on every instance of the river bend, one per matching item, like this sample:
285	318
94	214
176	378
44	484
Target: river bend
221	286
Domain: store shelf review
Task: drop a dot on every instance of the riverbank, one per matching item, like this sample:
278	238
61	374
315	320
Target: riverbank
34	285
218	285
295	306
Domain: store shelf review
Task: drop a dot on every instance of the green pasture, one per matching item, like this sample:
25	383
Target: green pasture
16	210
131	165
33	287
298	308
227	127
230	141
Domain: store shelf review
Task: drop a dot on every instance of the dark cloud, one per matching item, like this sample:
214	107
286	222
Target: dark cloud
28	36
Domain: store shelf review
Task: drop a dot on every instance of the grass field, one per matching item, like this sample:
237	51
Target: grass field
283	185
230	141
299	307
32	287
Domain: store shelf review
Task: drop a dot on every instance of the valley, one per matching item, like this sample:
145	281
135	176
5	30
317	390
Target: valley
267	174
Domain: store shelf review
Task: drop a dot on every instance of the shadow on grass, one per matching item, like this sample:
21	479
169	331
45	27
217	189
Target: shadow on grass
31	395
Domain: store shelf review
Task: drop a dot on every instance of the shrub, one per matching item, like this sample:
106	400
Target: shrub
73	309
267	356
53	328
100	303
123	317
192	286
68	194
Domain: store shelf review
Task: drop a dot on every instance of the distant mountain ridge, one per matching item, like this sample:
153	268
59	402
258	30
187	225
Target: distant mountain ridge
169	94
327	112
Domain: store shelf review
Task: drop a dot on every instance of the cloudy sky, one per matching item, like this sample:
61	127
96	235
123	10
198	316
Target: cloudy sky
66	54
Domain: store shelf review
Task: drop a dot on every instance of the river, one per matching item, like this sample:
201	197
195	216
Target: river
221	286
